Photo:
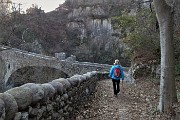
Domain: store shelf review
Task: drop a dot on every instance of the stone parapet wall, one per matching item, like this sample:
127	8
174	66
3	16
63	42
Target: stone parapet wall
56	100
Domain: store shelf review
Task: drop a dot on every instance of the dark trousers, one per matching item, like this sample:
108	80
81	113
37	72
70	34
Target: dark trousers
116	86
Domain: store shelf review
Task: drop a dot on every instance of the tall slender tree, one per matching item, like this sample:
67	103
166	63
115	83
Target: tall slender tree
165	13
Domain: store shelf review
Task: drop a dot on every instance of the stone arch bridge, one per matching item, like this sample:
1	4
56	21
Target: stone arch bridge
12	59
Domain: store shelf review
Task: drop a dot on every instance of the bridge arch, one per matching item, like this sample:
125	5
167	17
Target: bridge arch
14	60
3	71
33	74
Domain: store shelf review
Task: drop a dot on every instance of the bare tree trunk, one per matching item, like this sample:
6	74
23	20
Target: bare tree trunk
164	13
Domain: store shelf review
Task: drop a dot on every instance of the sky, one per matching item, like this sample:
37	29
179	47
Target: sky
46	5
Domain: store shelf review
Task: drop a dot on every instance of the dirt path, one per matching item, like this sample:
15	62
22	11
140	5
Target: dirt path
138	102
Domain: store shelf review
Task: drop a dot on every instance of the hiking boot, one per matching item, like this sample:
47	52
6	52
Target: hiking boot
115	95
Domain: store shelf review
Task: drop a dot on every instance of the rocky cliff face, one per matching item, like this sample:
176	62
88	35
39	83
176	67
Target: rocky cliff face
93	19
88	16
94	15
90	19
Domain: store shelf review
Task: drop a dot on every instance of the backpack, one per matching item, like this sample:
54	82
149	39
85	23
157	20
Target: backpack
117	72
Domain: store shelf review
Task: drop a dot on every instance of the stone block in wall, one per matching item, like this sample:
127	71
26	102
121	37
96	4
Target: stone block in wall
87	91
11	106
64	97
70	93
38	92
62	118
66	115
49	108
60	111
39	114
33	111
62	103
81	78
24	116
60	56
73	81
57	86
17	116
22	95
72	58
55	115
58	98
64	82
88	75
66	108
49	90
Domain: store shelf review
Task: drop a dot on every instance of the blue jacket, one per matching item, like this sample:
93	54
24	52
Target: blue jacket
111	72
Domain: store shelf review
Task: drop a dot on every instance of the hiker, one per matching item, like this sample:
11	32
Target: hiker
116	72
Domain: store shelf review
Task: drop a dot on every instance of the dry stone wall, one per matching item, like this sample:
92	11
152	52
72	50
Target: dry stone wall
56	100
